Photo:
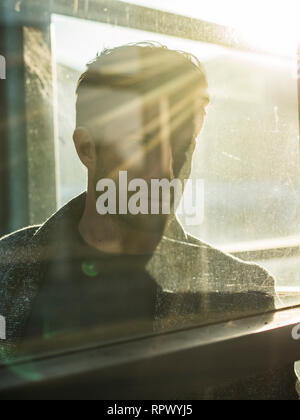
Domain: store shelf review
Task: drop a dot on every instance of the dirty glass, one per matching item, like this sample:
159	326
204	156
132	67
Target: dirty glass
247	155
246	159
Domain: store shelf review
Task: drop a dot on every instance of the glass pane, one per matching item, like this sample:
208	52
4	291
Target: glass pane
106	279
247	154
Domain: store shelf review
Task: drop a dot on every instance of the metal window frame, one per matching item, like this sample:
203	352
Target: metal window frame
269	253
158	367
13	156
130	15
27	126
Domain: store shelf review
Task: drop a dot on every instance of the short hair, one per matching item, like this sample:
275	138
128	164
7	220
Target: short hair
148	68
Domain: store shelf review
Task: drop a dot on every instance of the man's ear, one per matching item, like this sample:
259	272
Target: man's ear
85	147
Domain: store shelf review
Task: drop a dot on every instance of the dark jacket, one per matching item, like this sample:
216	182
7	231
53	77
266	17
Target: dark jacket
198	283
182	266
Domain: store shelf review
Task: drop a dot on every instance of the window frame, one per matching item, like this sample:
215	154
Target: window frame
228	352
208	343
124	14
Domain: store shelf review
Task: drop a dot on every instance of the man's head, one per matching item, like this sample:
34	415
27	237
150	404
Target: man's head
140	109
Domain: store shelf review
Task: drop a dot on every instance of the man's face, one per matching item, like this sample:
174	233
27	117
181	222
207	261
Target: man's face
139	142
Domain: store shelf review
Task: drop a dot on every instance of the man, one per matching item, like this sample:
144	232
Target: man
95	271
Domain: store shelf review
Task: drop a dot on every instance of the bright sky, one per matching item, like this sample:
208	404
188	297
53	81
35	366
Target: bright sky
273	24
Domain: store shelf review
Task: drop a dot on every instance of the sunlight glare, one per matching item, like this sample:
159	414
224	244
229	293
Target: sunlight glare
272	25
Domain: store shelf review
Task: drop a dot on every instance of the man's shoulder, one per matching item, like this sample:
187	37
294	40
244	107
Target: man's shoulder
20	236
224	265
12	246
220	287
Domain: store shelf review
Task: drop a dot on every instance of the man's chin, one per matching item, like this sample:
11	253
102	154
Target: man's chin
145	223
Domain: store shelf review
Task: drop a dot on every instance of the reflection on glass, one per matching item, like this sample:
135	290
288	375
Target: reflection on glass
247	154
92	278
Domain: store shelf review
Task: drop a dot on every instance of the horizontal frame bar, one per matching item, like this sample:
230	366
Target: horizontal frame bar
267	254
120	13
198	353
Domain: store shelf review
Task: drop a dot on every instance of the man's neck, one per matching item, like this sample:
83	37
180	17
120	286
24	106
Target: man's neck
112	236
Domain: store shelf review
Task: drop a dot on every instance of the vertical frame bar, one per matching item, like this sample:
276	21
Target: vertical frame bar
298	78
40	116
13	161
27	135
